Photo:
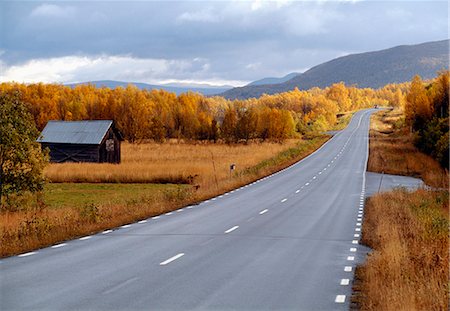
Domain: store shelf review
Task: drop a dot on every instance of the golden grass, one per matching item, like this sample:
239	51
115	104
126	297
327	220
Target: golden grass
22	231
392	151
408	268
169	163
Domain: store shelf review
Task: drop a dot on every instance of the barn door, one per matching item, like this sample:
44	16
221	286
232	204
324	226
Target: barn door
110	151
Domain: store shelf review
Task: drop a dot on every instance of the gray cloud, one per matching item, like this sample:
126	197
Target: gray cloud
203	41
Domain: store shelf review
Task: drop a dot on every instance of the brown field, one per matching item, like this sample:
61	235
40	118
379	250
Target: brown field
392	151
408	268
408	232
61	216
197	164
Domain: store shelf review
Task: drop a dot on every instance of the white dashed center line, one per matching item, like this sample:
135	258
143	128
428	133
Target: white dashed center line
284	200
345	281
125	226
353	249
168	214
263	212
142	221
351	258
348	269
156	217
232	229
85	238
307	184
106	231
165	262
297	191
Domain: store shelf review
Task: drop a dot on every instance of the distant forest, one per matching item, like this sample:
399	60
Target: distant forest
160	115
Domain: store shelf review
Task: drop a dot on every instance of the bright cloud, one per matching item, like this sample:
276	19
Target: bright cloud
52	10
205	16
124	68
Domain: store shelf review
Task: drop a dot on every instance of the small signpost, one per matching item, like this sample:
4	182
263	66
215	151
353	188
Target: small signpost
232	168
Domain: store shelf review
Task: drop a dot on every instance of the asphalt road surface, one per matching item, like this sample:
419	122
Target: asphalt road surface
286	242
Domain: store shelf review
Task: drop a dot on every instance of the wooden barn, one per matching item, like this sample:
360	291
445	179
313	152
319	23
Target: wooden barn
82	141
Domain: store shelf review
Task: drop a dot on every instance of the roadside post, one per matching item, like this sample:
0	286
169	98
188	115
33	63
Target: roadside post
232	168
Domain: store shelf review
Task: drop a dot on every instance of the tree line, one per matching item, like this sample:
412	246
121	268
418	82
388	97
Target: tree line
426	114
161	115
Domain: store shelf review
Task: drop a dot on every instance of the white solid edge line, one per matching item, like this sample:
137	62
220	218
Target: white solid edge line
263	212
59	245
340	299
27	254
232	229
165	262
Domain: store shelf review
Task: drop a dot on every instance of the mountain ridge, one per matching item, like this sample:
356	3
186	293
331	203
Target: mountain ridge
177	89
274	80
368	69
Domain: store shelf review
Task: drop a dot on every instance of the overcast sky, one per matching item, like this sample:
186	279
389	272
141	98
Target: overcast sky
217	42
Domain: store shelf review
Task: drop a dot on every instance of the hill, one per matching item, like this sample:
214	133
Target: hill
273	80
370	69
204	89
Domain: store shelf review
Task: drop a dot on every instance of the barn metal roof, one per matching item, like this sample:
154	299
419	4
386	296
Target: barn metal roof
75	132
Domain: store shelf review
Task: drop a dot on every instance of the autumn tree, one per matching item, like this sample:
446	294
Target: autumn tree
228	128
417	109
21	158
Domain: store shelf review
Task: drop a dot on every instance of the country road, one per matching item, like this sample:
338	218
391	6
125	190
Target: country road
286	242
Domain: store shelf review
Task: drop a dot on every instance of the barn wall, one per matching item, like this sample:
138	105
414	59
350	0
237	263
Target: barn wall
77	152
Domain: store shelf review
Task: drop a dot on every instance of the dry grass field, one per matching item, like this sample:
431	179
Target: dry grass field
198	164
392	151
408	268
407	231
87	198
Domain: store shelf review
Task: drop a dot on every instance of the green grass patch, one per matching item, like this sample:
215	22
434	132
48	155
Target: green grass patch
81	194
